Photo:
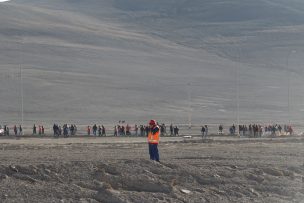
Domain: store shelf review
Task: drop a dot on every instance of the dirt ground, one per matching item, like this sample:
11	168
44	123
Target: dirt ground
119	170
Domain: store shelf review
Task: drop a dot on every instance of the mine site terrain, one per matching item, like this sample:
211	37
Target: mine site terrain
119	170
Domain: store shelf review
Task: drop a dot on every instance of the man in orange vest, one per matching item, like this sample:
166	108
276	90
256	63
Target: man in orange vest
153	140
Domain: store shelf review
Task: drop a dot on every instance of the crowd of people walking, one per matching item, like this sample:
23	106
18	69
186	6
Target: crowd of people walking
5	130
257	130
122	129
66	130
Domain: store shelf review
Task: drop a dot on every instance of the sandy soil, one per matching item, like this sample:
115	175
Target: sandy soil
118	170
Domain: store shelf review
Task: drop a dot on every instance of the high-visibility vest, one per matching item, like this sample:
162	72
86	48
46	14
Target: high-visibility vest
153	135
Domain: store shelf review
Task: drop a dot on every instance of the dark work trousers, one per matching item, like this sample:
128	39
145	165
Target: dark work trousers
153	151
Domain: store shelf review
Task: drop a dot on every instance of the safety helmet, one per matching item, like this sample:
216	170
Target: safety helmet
152	122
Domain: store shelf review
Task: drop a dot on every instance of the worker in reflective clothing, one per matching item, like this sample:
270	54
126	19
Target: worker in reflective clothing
153	140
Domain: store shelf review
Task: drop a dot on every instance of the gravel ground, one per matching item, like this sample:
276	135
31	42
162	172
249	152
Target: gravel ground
118	170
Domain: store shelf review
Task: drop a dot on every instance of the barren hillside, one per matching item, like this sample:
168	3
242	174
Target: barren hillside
135	59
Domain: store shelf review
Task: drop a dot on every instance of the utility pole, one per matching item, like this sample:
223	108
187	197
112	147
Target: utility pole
288	82
190	108
237	97
21	83
237	89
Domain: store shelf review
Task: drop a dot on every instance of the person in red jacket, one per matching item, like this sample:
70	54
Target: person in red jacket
89	130
153	140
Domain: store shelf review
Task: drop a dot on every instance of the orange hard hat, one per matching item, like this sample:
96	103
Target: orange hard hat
152	122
